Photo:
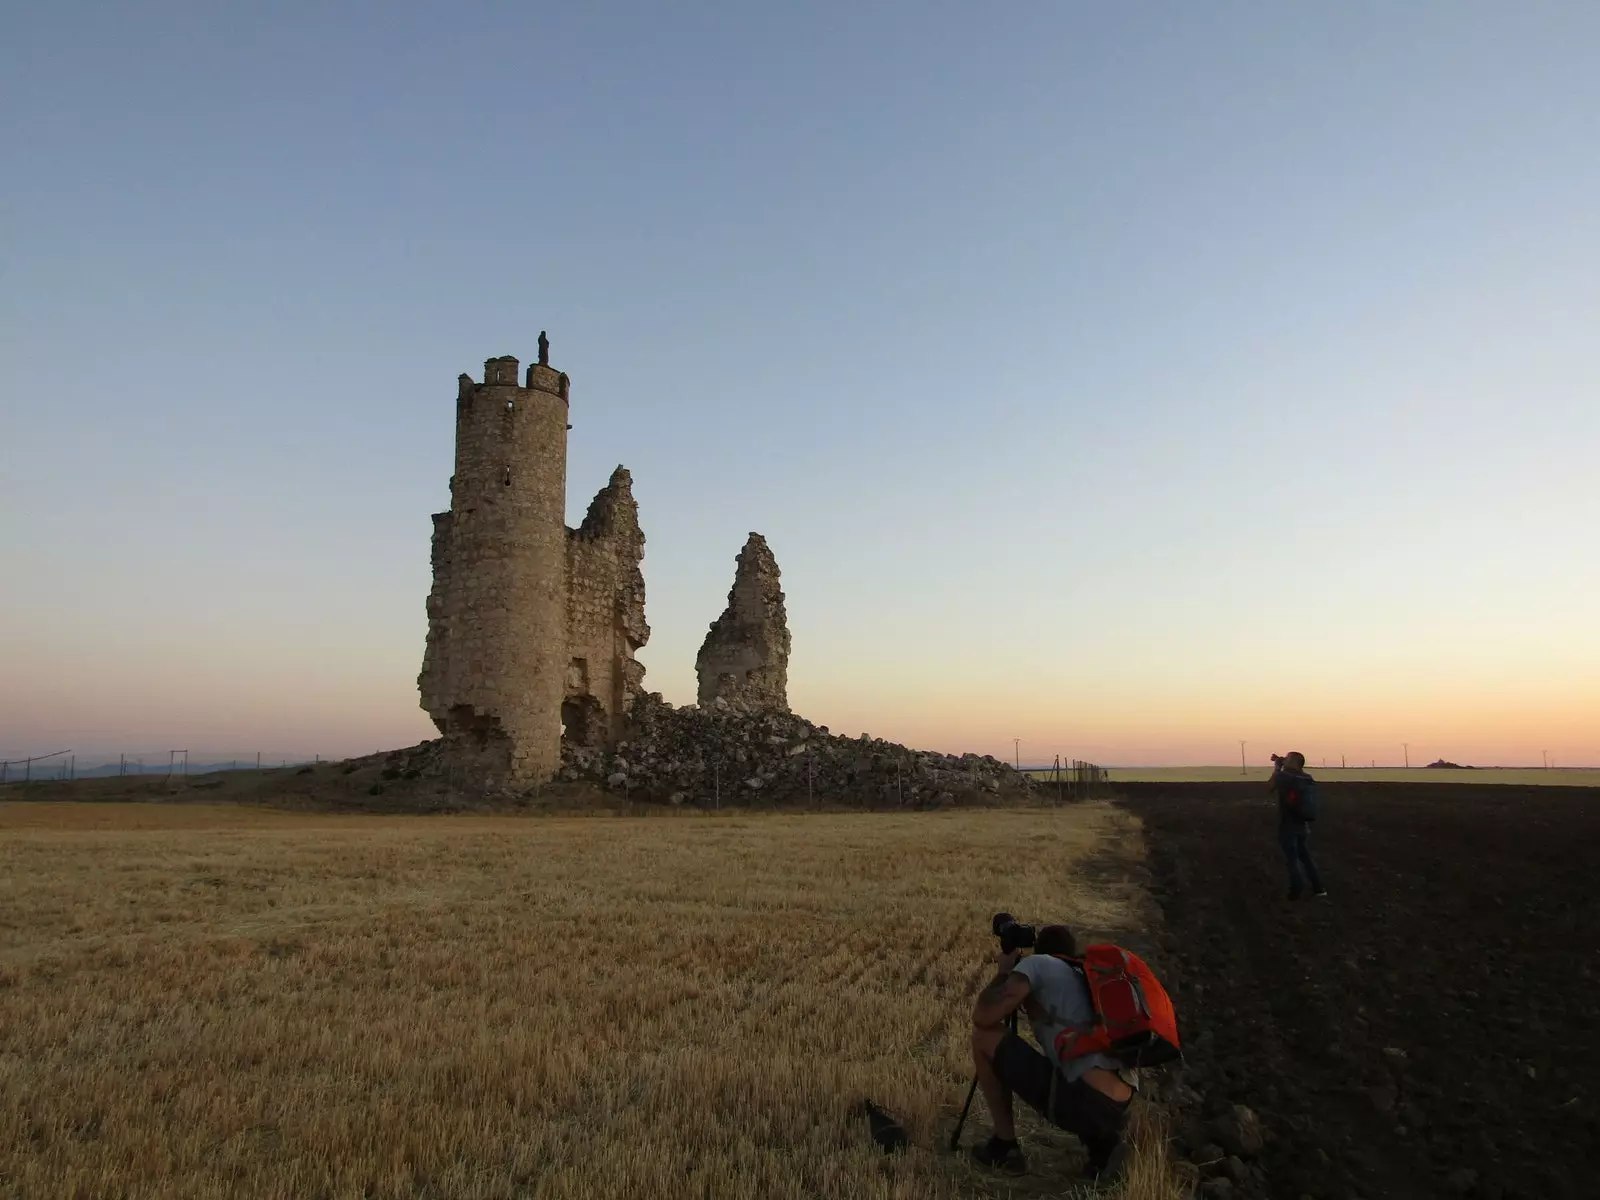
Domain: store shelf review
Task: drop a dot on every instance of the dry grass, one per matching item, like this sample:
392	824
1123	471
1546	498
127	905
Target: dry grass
216	1001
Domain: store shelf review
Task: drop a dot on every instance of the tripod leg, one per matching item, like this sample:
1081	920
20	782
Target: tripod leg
955	1138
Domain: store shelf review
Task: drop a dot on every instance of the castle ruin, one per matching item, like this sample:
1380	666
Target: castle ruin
744	661
531	625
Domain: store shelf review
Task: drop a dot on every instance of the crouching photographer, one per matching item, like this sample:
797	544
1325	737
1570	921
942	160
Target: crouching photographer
1096	1018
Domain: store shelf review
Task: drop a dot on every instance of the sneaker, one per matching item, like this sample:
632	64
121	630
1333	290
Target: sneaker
1323	894
1000	1156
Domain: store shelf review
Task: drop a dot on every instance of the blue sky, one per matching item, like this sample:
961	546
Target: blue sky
1127	379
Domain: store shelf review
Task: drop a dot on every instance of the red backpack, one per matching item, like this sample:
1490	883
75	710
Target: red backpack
1134	1021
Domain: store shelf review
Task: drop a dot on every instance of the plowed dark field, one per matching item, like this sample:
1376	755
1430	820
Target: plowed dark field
1431	1029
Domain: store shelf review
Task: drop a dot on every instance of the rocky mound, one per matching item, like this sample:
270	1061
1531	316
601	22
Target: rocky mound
720	755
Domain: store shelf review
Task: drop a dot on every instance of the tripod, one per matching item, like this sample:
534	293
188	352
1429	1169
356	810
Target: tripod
955	1138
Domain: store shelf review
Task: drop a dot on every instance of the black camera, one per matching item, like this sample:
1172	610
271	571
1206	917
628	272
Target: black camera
1013	934
1277	758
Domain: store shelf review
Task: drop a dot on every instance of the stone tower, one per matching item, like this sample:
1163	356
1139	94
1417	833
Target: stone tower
529	623
745	657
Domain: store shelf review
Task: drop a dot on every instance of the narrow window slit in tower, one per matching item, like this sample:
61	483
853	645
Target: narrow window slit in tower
506	479
511	406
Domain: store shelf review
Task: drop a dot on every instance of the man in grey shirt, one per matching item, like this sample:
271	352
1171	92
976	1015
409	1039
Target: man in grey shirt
1087	1096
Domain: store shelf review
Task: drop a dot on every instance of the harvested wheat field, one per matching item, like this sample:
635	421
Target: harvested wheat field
218	1001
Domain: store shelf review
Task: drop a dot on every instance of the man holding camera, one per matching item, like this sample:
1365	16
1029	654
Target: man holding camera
1297	808
1087	1096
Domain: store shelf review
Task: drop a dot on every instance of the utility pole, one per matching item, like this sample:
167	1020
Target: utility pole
1406	746
1016	750
1242	768
1341	762
1546	755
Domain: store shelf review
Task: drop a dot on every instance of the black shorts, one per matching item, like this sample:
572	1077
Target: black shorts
1076	1107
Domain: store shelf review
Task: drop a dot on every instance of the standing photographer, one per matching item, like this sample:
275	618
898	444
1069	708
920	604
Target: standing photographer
1297	808
1086	1096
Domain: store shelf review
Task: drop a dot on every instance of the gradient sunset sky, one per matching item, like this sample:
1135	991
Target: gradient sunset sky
1126	379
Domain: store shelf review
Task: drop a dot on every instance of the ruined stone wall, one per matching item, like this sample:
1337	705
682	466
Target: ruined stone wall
434	669
494	672
605	615
744	661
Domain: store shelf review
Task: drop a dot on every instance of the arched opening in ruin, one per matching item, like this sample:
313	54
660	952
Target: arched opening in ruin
583	721
467	722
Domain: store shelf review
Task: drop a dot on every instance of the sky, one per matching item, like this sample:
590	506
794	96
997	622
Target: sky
1126	380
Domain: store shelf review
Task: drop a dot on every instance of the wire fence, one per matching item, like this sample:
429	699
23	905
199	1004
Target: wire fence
62	765
1074	779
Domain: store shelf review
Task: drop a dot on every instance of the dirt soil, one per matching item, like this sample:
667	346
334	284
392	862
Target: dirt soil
1431	1029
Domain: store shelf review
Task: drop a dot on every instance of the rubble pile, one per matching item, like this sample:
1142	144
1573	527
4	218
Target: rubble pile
721	754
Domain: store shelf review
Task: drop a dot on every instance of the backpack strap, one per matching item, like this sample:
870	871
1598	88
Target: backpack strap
1083	975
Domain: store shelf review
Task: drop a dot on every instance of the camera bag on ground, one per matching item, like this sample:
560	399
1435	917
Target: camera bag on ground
1134	1021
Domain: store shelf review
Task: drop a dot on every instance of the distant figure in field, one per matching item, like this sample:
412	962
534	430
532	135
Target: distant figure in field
1297	808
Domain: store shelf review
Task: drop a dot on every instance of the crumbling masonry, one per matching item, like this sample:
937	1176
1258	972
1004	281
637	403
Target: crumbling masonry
744	661
531	625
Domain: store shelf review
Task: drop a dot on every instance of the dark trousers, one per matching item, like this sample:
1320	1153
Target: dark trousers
1296	845
1098	1120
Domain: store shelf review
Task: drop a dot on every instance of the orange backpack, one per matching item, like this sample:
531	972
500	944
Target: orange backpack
1134	1021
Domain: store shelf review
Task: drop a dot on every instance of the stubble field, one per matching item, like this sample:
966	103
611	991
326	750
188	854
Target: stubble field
219	1001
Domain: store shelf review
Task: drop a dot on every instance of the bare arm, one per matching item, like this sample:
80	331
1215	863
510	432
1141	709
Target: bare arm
1003	994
